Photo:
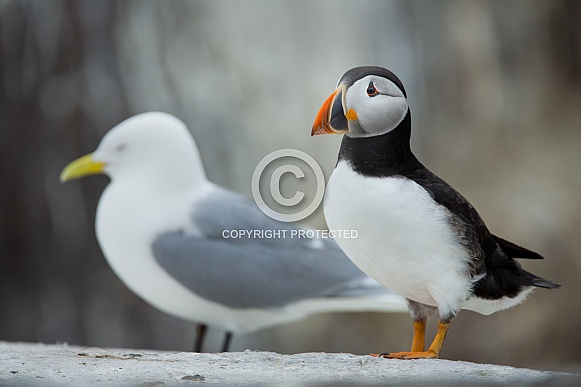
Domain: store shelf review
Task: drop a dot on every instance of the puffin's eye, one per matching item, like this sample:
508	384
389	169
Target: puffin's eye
371	90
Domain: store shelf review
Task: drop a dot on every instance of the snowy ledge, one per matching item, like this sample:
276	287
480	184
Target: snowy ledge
61	364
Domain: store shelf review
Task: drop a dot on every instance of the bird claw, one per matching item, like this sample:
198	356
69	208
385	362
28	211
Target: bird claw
407	355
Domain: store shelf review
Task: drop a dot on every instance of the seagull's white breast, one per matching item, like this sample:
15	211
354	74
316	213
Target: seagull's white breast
405	240
128	221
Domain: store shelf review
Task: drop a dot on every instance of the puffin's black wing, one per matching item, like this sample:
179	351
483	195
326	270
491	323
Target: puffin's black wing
448	197
490	254
516	251
473	233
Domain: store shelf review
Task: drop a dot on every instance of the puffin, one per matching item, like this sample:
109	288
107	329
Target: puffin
416	234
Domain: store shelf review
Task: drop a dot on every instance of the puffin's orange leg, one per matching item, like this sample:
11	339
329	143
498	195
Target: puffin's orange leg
419	341
432	352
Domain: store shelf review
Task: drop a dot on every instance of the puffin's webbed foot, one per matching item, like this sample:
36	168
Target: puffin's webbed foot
432	353
410	355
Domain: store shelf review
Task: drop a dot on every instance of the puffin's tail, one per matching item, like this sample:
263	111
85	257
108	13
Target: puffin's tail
544	283
512	250
529	279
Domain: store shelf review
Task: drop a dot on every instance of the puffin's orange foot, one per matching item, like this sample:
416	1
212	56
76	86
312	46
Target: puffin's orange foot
408	355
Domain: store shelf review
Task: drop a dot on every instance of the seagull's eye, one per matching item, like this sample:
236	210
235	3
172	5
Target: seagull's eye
121	147
371	90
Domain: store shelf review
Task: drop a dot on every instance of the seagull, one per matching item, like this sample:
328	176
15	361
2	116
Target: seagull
416	234
179	241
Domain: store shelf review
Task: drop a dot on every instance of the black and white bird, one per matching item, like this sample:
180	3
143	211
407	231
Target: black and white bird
416	234
171	236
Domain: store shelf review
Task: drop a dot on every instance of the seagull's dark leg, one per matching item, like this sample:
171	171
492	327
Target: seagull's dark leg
227	340
200	335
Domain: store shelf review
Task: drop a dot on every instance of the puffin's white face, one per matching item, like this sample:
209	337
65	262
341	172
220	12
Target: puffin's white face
364	105
151	146
373	105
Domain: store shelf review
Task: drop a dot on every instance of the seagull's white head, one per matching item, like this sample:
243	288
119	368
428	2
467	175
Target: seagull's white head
152	147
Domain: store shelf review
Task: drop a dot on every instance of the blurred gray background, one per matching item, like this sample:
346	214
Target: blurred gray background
495	91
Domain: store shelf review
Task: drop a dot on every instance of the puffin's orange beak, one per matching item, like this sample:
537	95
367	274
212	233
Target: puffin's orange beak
331	117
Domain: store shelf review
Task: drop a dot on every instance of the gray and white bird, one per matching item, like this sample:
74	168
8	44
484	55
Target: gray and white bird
416	234
165	231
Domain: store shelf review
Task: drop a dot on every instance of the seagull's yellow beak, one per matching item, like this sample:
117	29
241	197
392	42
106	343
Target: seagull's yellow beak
83	166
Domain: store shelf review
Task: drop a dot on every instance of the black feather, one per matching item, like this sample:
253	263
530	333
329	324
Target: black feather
514	250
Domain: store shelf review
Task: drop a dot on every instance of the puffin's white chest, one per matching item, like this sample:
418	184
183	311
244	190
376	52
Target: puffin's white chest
404	240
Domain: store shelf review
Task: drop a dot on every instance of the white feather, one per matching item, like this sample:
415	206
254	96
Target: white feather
404	241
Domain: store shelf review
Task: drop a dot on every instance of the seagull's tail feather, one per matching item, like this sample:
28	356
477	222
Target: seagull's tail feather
364	295
361	287
386	303
360	296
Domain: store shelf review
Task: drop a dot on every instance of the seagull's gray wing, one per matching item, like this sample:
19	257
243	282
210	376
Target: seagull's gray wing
252	272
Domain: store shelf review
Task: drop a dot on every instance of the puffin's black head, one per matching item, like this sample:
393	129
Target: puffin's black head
369	101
